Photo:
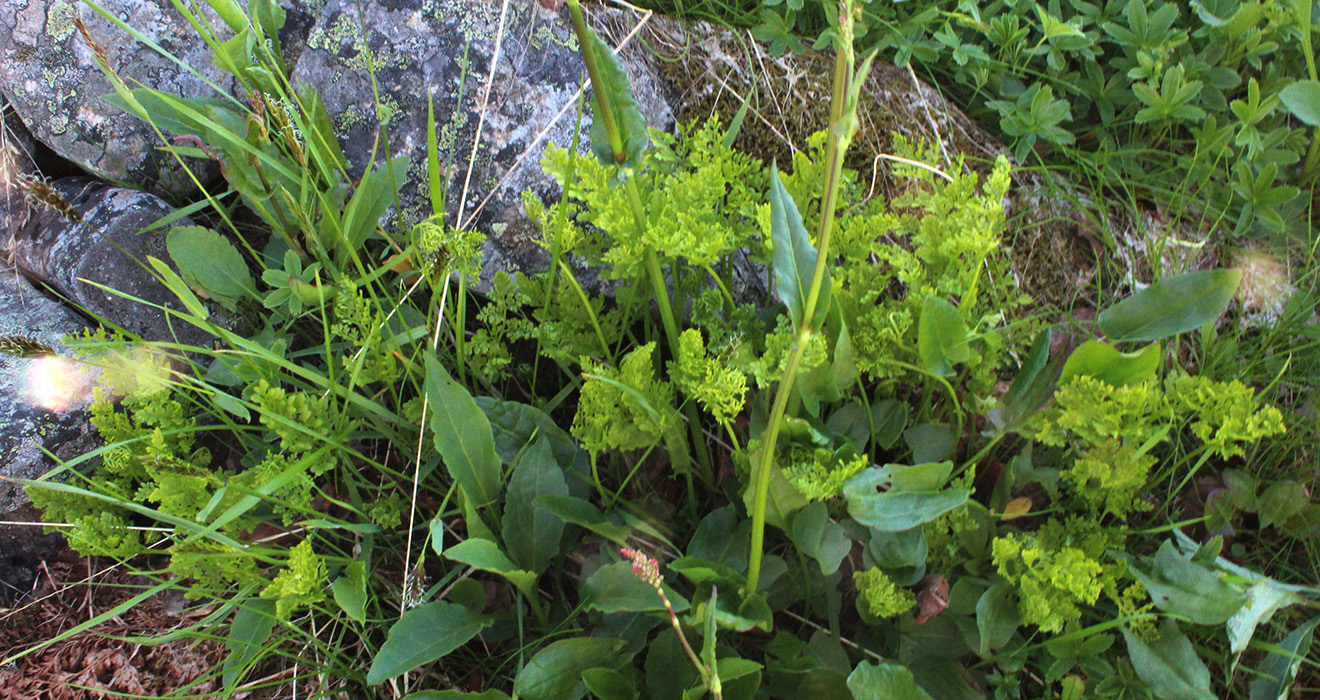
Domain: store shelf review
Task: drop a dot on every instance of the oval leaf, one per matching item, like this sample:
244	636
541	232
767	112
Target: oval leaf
1104	362
893	512
1171	306
422	635
1302	98
462	435
210	264
794	256
555	673
1169	665
884	681
941	337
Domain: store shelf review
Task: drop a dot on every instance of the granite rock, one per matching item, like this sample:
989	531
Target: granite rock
106	248
51	78
447	48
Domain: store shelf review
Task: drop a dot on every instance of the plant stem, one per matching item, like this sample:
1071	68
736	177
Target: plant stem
842	126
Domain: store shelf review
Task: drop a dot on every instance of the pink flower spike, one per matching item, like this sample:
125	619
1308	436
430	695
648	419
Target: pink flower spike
644	567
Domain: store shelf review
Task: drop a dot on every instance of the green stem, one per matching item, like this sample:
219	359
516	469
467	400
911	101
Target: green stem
835	149
762	484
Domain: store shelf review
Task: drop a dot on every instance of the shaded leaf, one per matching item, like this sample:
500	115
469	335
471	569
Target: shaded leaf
555	673
997	617
248	633
615	588
884	681
530	533
462	436
794	256
820	539
583	513
1169	665
1279	670
941	337
608	684
422	635
1173	305
1180	586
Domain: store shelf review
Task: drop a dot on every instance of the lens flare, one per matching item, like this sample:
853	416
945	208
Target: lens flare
58	384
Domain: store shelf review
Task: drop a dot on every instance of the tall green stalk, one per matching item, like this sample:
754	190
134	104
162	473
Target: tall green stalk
605	113
843	124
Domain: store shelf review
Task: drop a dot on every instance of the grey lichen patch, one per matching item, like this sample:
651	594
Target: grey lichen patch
546	34
345	35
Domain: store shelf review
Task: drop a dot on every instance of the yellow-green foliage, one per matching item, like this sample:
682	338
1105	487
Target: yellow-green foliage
298	584
1109	431
719	389
698	197
877	594
819	474
296	418
1051	581
1225	415
624	409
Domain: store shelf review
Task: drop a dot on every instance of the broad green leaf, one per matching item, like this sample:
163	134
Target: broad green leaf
1180	586
893	512
486	555
794	256
889	417
1171	306
884	681
608	684
722	537
1104	362
422	635
997	617
732	668
902	555
1169	665
941	337
1302	98
374	194
784	501
248	633
851	420
1279	671
615	588
210	264
930	442
517	424
456	695
462	436
555	673
617	93
1281	501
919	477
350	591
583	513
820	539
532	534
